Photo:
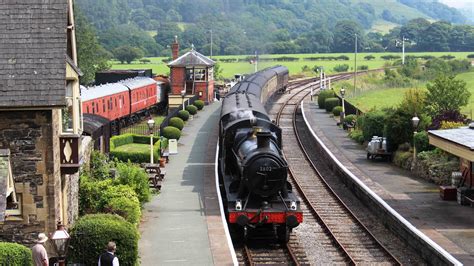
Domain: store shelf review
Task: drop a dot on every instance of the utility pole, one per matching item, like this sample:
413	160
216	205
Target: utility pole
355	65
211	44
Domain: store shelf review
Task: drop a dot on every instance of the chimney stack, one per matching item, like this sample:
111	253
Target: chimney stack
175	48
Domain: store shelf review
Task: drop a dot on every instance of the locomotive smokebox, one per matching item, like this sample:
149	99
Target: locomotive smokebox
263	140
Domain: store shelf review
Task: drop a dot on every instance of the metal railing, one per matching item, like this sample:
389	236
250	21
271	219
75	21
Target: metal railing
174	111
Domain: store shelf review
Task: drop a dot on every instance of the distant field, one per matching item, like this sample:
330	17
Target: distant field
378	99
295	67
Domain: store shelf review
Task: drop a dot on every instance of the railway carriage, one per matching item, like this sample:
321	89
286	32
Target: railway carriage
252	170
142	93
111	101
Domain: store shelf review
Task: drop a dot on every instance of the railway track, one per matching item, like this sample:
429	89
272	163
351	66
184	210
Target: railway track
343	236
289	254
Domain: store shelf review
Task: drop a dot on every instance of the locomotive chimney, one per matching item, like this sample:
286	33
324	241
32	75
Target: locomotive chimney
175	48
263	139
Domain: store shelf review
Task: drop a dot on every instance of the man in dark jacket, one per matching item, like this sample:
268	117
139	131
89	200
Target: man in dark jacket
108	258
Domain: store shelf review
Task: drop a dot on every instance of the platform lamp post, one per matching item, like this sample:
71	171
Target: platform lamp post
60	241
151	125
183	93
343	113
415	121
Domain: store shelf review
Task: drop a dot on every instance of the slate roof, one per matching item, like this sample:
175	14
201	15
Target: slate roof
462	136
33	43
192	58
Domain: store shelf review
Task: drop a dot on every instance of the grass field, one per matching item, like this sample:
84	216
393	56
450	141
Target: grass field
133	147
367	99
229	69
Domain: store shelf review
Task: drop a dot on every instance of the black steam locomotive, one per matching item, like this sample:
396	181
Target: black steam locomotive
253	172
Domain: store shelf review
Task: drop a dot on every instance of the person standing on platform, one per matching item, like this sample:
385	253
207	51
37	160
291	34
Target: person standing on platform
40	256
108	258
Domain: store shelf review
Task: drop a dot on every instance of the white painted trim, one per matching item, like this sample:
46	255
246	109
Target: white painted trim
400	218
221	207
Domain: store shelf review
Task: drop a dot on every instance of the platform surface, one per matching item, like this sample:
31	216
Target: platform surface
448	224
182	225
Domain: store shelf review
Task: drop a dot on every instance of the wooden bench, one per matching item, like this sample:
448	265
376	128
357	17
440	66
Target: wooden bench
155	174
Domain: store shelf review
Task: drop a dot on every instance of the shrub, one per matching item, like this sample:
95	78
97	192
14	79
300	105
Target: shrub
390	57
422	142
452	116
134	177
128	208
99	167
357	135
450	124
398	128
191	109
341	68
330	103
363	67
176	122
91	233
369	57
447	57
171	133
183	114
136	157
350	119
336	111
323	95
403	159
470	56
15	253
199	104
373	124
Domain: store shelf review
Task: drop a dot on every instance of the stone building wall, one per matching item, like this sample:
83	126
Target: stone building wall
29	137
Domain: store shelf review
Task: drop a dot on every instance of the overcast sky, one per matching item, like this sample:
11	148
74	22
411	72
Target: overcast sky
459	3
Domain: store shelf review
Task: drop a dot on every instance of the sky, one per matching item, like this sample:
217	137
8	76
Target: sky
459	3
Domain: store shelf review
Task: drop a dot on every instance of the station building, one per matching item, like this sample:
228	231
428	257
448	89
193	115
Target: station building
192	74
40	118
459	142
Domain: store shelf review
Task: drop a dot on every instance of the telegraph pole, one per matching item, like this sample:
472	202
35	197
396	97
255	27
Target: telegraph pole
355	65
403	50
256	61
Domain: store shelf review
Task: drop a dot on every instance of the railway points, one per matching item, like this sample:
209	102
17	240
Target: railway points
446	223
183	225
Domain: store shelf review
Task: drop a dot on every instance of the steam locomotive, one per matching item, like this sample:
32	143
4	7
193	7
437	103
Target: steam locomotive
252	170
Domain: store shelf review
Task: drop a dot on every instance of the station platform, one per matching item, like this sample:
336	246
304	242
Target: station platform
448	224
182	225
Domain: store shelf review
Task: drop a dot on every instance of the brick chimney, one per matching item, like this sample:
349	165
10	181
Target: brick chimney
175	48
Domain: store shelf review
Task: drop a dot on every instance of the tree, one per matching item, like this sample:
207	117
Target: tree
92	57
344	36
446	94
127	53
217	71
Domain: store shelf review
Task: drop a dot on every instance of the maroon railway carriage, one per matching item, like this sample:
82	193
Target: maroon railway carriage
111	101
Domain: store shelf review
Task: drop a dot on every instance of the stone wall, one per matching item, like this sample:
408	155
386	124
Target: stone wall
29	137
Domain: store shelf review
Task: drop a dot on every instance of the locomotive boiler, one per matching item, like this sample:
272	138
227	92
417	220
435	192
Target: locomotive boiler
253	171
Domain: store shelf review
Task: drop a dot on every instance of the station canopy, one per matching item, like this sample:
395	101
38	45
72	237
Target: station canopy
458	141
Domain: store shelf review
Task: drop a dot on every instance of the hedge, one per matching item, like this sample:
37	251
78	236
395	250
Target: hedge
91	233
336	111
135	157
183	114
15	254
323	95
341	68
171	132
199	104
330	103
191	109
176	122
